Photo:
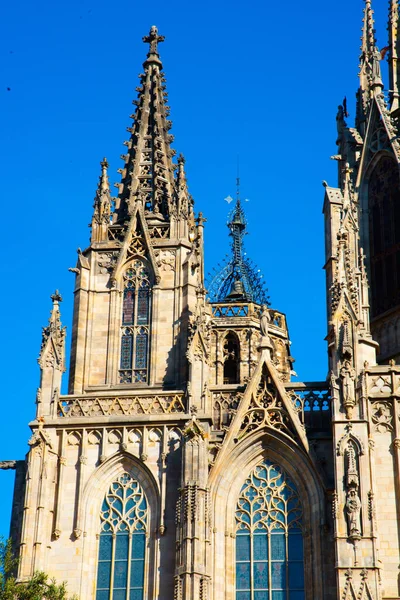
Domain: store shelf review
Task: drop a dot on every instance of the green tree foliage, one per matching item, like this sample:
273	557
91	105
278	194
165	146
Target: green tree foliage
39	587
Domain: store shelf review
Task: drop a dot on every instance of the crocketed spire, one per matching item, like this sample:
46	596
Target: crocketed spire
148	171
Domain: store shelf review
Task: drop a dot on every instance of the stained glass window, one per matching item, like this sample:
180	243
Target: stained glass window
384	231
122	546
135	333
269	537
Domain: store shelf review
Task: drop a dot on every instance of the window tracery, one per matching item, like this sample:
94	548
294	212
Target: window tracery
384	228
269	537
135	334
124	517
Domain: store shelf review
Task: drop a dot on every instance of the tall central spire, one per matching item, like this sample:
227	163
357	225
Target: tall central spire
148	171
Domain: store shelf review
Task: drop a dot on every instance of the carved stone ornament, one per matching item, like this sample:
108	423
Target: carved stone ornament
8	464
381	415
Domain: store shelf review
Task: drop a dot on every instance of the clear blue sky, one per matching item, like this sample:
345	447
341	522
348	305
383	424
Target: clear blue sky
259	79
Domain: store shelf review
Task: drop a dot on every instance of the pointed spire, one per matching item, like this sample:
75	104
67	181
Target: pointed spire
393	56
238	280
102	206
369	74
53	336
148	175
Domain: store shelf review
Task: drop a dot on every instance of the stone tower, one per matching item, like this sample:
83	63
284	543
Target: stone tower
184	463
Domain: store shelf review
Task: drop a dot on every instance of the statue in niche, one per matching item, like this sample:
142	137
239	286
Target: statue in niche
347	374
353	510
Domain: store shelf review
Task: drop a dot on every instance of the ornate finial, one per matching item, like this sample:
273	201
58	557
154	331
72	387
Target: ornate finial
153	39
181	159
56	297
104	164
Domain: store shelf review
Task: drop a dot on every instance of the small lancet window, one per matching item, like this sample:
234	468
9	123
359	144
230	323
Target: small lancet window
122	547
269	537
135	334
231	354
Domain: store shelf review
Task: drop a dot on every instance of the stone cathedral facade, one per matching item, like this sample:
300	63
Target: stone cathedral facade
184	463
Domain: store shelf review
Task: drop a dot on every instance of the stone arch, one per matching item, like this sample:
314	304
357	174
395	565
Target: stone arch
225	486
92	498
230	348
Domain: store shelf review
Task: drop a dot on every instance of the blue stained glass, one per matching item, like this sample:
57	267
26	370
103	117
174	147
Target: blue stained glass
121	547
296	596
260	574
260	546
278	575
126	351
243	547
141	351
278	546
102	595
243	576
278	595
295	546
120	573
105	547
243	596
137	574
103	575
119	594
136	595
296	575
138	545
261	595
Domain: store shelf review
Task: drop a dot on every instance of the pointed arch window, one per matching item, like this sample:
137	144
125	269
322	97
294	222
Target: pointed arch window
384	231
135	329
269	537
122	547
231	354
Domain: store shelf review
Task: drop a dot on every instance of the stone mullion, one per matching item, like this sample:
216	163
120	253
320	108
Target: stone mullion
154	322
114	336
25	564
163	479
39	544
79	483
62	461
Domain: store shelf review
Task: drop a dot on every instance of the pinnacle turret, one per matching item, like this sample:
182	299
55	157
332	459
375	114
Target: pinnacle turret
147	175
393	47
102	206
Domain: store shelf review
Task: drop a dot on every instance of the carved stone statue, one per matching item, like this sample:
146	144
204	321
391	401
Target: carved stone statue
265	320
353	508
347	374
376	66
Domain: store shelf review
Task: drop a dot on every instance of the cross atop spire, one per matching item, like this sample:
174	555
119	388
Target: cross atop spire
153	39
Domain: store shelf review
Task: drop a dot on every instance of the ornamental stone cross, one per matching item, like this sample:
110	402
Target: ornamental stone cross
153	38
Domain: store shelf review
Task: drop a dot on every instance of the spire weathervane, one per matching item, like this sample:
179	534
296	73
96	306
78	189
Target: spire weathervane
153	39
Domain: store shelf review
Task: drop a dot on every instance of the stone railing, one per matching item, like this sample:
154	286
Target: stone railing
106	406
222	310
312	401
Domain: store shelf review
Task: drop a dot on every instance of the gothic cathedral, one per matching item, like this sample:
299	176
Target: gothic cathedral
184	463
